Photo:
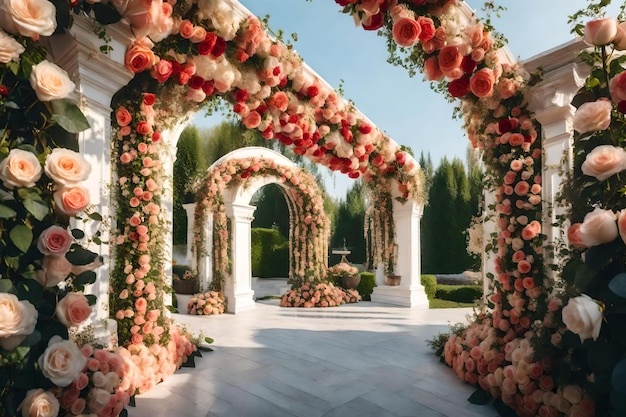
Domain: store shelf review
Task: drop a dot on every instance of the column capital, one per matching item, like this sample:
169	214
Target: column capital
240	212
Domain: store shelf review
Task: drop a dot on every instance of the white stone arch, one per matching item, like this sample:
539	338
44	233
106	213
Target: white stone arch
236	197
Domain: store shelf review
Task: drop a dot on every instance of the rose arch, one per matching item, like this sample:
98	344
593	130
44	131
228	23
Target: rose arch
223	217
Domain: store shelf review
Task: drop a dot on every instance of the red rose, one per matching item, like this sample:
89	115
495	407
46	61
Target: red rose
459	88
204	48
196	82
219	48
506	125
241	95
428	28
208	87
312	91
149	99
374	22
4	90
468	65
156	136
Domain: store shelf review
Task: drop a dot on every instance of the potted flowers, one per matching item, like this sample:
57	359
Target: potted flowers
346	274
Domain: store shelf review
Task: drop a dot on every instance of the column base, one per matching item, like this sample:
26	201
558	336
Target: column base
240	302
400	296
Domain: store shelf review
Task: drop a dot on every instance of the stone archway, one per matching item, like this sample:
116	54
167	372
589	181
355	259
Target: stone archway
223	215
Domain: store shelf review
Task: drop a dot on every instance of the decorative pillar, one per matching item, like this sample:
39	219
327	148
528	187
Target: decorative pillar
410	292
190	209
564	75
78	53
238	286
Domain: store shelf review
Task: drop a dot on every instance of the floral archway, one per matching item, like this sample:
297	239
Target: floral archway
223	216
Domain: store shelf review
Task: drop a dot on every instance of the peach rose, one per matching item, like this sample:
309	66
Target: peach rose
71	200
604	161
406	31
39	403
64	166
620	38
583	316
600	32
252	120
598	227
73	309
54	270
55	240
10	49
449	59
20	169
279	101
17	320
617	88
139	56
123	116
432	72
592	116
61	362
481	82
32	18
621	224
186	29
50	81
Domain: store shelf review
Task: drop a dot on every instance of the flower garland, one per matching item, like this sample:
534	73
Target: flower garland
309	228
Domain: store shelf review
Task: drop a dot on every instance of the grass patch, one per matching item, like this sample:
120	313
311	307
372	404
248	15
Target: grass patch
437	303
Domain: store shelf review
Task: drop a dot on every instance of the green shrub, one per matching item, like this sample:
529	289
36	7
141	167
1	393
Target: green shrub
366	286
430	285
459	293
278	262
264	242
180	270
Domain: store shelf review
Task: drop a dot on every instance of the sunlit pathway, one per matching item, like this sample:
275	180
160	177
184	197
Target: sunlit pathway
358	360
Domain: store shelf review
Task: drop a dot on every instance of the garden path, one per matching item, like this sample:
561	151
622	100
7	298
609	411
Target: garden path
356	360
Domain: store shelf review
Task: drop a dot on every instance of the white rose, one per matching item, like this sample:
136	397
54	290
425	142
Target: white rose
573	393
66	167
17	320
604	161
40	403
32	18
583	316
598	227
20	169
592	116
61	362
10	49
50	81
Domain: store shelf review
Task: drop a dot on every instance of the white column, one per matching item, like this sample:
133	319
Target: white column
78	53
190	209
238	288
410	292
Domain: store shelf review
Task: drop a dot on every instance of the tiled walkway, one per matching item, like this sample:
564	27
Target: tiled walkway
359	360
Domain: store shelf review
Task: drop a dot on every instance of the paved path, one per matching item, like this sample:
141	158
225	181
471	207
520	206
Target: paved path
358	360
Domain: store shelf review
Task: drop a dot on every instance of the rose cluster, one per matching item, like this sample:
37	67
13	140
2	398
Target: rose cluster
318	294
205	304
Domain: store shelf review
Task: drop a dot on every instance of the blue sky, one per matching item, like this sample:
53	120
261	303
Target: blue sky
404	108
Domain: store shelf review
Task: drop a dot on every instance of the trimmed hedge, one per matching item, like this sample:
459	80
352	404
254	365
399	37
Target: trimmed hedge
459	293
430	285
366	286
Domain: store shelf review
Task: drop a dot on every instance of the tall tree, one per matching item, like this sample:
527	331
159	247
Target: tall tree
426	163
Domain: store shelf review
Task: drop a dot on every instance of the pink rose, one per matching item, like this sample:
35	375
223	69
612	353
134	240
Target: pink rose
620	38
71	200
50	81
162	71
32	18
10	49
604	161
592	116
617	88
20	169
573	236
583	316
252	120
55	240
61	362
54	270
432	72
40	403
481	82
600	32
66	167
73	309
406	31
449	59
17	320
621	224
507	88
598	227
78	406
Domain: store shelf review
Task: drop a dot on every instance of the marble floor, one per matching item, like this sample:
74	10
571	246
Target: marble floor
356	360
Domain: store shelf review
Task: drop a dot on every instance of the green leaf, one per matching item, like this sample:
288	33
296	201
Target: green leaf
480	397
87	277
68	116
584	276
38	208
95	216
618	285
106	14
7	212
91	299
78	234
6	196
6	285
22	237
208	340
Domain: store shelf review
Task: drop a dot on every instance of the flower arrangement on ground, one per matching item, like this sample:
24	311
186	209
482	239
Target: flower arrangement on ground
342	269
207	303
318	294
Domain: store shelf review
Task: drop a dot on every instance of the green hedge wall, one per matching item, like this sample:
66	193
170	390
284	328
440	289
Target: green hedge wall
269	253
459	293
430	285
